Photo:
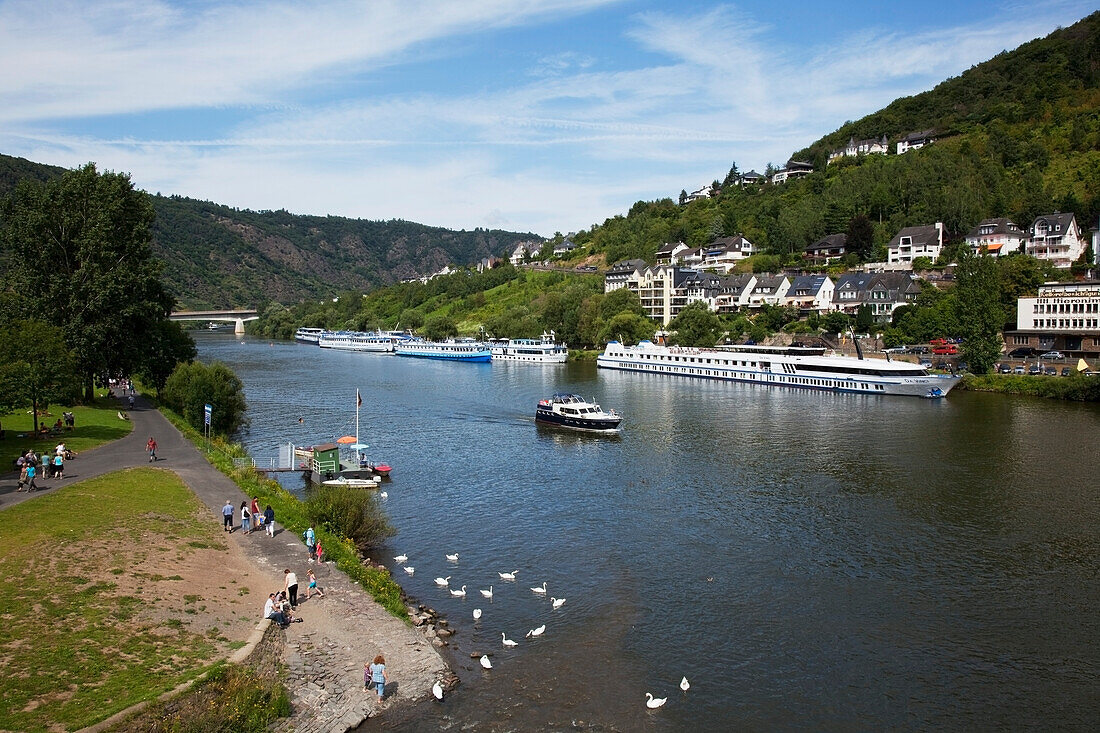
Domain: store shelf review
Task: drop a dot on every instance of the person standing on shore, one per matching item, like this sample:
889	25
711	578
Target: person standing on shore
291	587
227	516
378	676
318	551
269	521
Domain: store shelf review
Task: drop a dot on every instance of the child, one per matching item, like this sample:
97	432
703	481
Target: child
320	551
312	587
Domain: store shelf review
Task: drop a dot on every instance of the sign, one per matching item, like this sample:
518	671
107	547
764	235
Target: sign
206	414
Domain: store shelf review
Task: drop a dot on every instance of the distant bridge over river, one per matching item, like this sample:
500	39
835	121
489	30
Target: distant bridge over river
236	317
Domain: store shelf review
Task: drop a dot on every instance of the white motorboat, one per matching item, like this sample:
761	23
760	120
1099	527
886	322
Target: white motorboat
574	412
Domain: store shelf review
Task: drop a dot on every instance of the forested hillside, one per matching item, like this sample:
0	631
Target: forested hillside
218	256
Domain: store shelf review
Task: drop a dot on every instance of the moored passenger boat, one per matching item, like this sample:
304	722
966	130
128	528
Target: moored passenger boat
542	350
375	341
461	350
308	335
780	366
573	411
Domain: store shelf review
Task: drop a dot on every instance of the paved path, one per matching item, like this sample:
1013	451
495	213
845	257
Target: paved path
342	631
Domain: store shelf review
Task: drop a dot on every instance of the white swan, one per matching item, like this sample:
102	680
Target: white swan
477	614
541	590
654	702
459	593
485	661
557	602
506	641
452	558
684	684
508	576
410	570
383	495
437	690
443	581
536	632
400	559
488	593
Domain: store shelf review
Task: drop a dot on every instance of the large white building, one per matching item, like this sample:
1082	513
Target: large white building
1056	237
996	237
1063	316
913	242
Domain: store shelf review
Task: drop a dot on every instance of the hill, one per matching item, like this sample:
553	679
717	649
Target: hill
216	256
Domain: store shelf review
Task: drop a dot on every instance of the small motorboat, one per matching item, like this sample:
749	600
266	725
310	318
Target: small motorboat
355	483
382	469
574	412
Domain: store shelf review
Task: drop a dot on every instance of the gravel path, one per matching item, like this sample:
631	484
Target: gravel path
341	631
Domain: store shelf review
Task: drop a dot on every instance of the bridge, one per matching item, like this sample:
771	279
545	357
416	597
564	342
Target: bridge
236	317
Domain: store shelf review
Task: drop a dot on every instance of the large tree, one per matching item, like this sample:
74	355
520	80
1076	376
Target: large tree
695	325
36	368
76	251
980	314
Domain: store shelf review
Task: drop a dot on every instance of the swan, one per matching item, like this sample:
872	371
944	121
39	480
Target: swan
410	570
654	702
684	684
477	614
452	558
383	495
443	581
400	559
536	632
459	593
508	576
557	602
541	590
437	690
485	661
506	641
488	593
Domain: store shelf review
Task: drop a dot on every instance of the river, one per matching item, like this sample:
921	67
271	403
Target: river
807	560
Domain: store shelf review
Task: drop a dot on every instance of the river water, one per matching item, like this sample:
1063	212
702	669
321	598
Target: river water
807	560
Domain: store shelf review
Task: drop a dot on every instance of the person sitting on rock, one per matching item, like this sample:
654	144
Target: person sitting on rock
276	615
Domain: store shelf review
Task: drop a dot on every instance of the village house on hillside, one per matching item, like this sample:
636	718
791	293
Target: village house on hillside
524	251
915	141
870	146
810	293
1057	238
996	237
793	169
618	274
827	249
669	252
564	247
913	242
882	291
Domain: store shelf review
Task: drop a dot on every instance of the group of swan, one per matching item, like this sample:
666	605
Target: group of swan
656	702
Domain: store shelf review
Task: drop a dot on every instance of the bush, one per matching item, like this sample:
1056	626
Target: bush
348	512
192	386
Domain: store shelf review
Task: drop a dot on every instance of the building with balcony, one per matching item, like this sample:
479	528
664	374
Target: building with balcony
996	237
1057	238
913	242
1063	317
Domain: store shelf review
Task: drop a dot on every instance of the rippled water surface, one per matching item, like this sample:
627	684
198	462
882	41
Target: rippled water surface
807	560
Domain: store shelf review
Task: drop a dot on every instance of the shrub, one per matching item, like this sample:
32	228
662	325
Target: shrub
192	386
348	512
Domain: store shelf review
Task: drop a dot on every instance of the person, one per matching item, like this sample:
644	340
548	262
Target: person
59	466
131	402
311	540
273	613
70	420
31	471
21	463
318	551
151	447
254	510
291	587
246	518
269	521
227	516
378	676
312	587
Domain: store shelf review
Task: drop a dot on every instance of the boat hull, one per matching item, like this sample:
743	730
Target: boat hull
598	425
445	352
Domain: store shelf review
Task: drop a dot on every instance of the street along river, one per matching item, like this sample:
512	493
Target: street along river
809	561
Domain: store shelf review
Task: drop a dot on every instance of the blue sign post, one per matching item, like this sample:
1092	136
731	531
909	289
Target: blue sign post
207	411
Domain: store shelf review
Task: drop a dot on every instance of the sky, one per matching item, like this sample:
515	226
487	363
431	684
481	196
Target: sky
529	115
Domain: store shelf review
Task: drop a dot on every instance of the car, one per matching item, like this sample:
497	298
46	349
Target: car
1005	369
895	350
1021	353
1066	371
1050	371
1053	355
1019	369
586	268
919	350
945	349
1034	369
926	363
938	342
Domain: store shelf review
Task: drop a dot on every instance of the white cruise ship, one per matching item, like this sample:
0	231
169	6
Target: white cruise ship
461	350
376	341
532	351
780	366
308	335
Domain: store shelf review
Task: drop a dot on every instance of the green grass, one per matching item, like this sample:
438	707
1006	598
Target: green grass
1080	388
290	513
96	424
75	651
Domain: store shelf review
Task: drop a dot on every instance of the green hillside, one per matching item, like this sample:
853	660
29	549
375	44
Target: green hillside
218	256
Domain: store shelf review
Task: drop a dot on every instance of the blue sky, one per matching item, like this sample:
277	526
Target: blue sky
531	115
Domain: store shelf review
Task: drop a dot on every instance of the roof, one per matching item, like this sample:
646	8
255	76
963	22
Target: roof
669	247
807	284
626	266
922	235
1000	225
918	136
829	242
1065	220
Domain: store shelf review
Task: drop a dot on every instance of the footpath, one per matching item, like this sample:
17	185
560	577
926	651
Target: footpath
340	633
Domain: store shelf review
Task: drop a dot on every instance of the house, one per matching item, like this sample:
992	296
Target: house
751	178
524	251
1063	317
736	290
1056	237
564	247
701	193
723	254
915	140
768	290
617	275
870	146
810	293
488	263
662	290
913	242
793	169
827	249
996	237
882	291
666	255
703	287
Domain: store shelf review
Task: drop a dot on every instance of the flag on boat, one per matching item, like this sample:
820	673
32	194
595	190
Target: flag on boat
358	398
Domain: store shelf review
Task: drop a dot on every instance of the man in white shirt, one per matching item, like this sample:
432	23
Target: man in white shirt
273	614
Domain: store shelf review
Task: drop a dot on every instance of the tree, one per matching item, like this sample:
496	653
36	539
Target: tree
168	346
410	319
627	328
980	315
77	253
683	196
865	319
861	237
732	178
695	325
36	368
192	386
438	327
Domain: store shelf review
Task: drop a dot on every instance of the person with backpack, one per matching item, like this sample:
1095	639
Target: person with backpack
269	521
311	542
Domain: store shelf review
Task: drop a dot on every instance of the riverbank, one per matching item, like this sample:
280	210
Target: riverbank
1077	388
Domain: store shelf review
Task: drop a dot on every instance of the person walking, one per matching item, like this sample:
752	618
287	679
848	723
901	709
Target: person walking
254	510
378	676
151	448
312	588
227	516
311	541
269	521
21	464
291	587
31	471
59	466
246	518
319	551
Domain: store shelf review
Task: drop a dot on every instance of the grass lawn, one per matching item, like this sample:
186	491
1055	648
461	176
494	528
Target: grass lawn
98	617
96	424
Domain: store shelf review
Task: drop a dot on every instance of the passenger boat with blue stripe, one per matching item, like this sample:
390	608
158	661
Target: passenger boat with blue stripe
781	366
460	350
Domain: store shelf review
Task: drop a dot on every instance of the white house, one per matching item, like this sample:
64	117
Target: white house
701	193
564	247
1063	316
915	140
996	237
769	290
793	169
870	146
810	293
667	254
913	242
1056	237
619	274
524	250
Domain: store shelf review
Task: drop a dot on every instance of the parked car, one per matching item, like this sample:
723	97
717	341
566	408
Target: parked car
1019	369
892	350
1005	369
945	349
1051	371
1021	353
1053	355
1066	371
942	365
1034	370
938	342
919	350
926	363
